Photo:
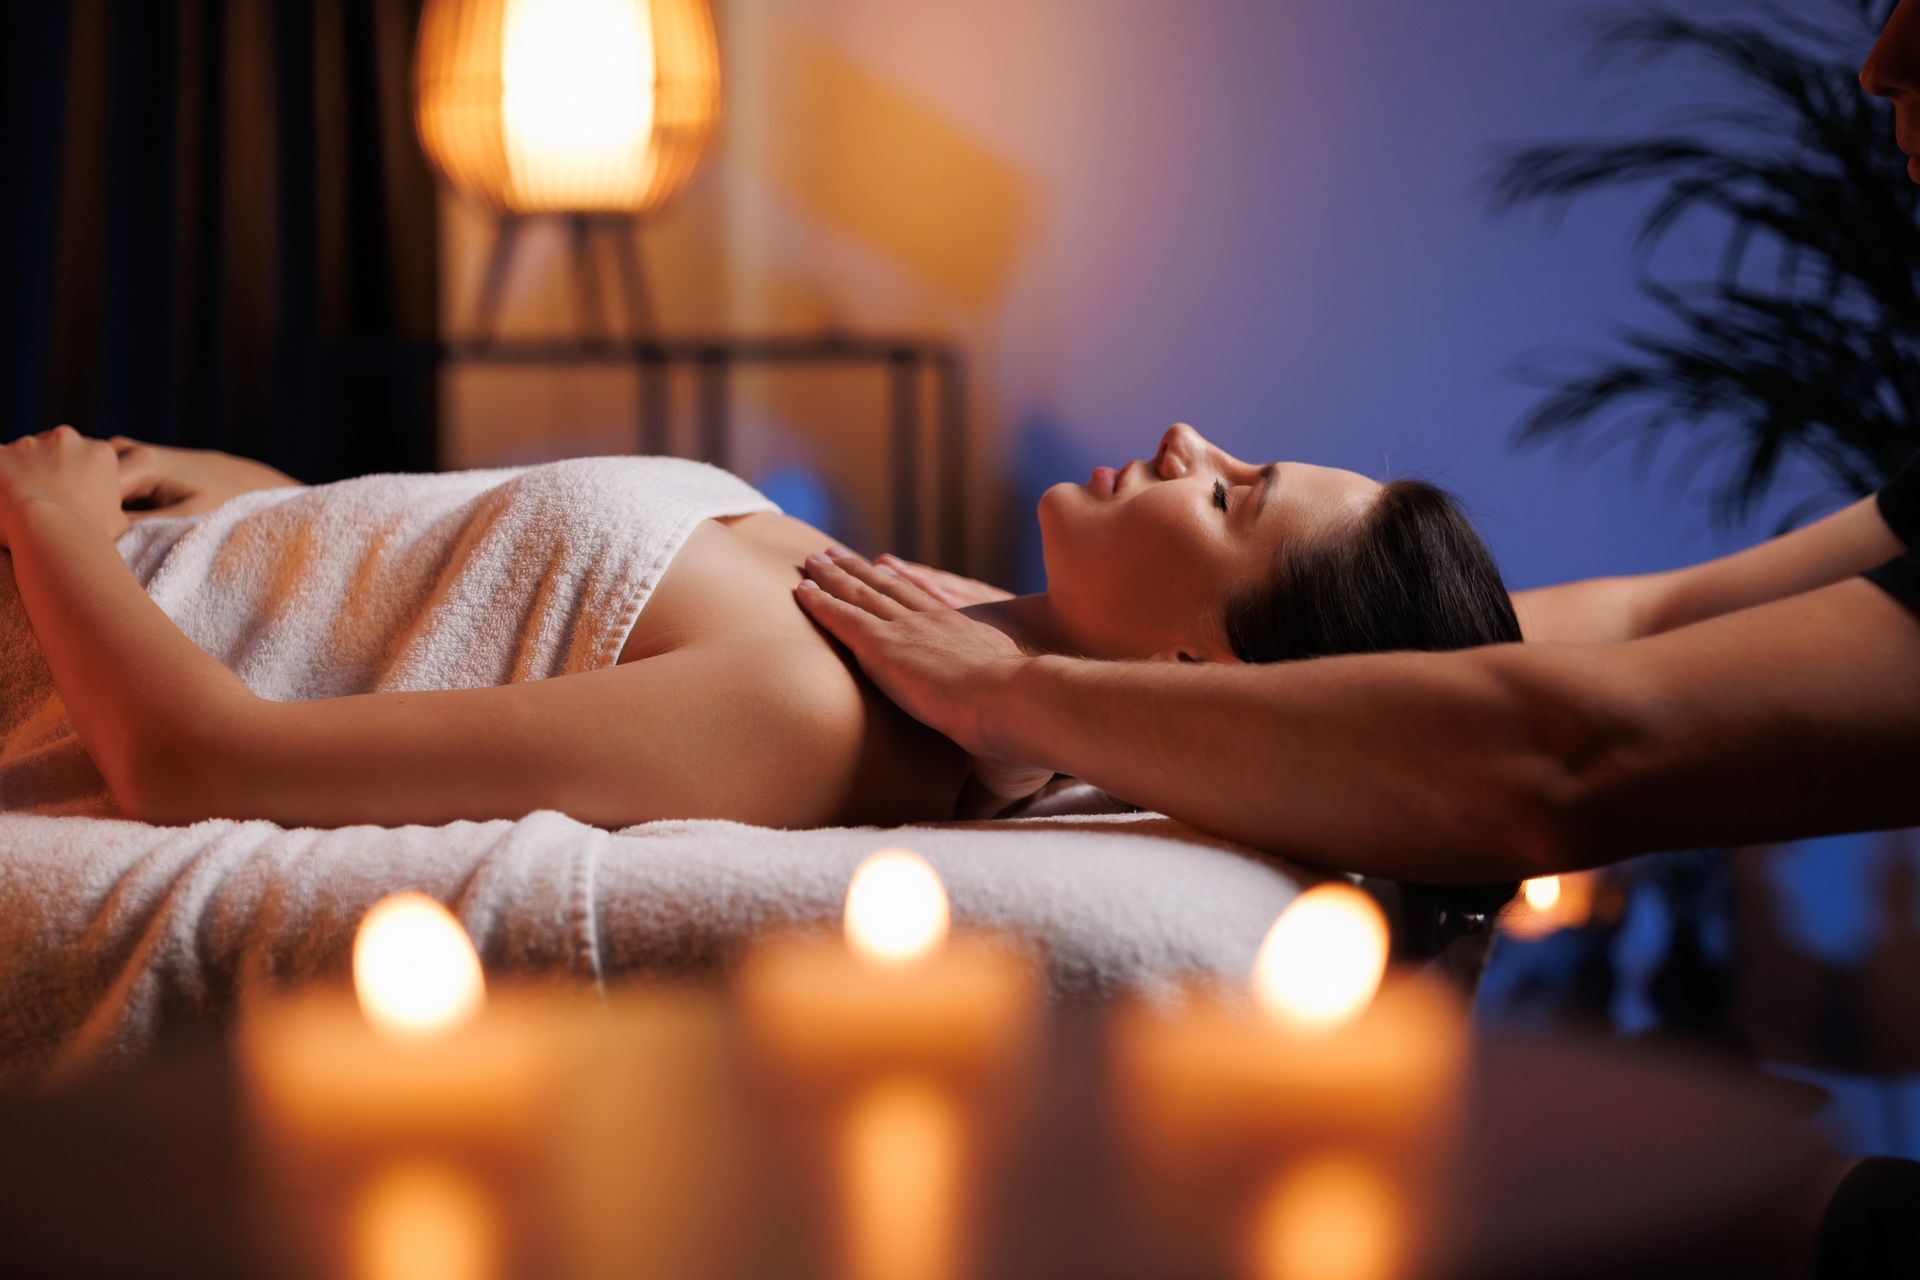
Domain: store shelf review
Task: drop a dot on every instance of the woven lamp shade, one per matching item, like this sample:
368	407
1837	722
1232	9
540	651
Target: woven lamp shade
567	106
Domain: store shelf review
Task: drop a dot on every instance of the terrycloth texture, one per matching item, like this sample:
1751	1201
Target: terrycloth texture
115	935
379	584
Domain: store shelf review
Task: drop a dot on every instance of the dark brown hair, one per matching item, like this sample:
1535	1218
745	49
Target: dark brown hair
1411	573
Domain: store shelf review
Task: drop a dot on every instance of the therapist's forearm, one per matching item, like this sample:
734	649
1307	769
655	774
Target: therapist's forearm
1796	718
1424	767
135	686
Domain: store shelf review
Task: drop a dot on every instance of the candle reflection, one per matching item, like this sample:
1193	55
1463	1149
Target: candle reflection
901	1182
1334	1217
422	1220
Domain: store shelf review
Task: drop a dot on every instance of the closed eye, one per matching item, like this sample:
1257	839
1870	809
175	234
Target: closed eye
1220	494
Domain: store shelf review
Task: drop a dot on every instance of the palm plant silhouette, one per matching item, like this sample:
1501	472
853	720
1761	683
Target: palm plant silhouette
1806	341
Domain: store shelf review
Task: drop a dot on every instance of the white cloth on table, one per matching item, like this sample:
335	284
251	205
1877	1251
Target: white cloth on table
116	937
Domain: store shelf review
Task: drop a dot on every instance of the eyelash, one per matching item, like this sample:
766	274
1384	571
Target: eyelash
1220	494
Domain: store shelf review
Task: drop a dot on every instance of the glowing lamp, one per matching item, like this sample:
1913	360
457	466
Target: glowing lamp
567	106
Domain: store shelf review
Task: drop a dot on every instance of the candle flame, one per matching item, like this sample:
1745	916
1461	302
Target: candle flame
414	970
1542	892
1335	1217
896	908
1324	957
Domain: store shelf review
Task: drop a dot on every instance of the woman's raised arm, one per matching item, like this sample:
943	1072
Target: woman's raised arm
1604	610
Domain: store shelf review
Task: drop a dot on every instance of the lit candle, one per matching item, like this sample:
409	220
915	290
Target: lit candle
1548	904
400	1111
896	1052
896	992
408	1056
1221	1092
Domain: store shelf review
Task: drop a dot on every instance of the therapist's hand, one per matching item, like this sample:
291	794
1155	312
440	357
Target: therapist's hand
950	589
937	664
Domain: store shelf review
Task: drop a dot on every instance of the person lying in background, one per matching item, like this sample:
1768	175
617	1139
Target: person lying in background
1767	696
614	638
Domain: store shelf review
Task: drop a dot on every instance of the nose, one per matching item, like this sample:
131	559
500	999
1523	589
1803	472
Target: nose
1181	450
1892	70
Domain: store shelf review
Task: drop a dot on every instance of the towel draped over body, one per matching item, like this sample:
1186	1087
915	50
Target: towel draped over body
379	584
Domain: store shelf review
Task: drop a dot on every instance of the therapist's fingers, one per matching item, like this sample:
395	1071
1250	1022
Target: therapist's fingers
850	624
954	590
888	582
835	578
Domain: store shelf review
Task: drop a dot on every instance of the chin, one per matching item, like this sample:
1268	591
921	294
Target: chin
1055	504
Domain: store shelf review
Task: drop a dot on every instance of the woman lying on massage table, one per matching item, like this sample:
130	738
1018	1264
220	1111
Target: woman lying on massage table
719	698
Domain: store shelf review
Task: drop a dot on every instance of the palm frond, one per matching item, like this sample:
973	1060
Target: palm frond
1815	360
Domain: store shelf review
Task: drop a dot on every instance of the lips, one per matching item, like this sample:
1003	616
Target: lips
1103	481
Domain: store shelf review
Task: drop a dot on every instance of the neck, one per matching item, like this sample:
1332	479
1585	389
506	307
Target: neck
1030	622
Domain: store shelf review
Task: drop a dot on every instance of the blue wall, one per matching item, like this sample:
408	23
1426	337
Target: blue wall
1304	263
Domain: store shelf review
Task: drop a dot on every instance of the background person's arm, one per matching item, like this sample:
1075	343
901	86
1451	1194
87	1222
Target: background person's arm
1794	718
1603	610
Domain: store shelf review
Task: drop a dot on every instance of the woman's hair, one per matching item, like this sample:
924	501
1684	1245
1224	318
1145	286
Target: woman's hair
1409	574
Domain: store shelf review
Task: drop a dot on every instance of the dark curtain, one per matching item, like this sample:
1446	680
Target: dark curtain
220	231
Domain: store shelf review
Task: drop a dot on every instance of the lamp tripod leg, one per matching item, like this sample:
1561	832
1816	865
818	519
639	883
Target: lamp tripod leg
633	282
493	283
590	318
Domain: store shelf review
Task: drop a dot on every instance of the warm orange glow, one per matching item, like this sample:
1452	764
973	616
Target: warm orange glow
1541	892
901	1170
896	908
414	970
419	1219
567	106
1324	957
1551	903
1332	1218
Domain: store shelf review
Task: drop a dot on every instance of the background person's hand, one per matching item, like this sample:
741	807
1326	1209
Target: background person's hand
933	661
65	468
950	589
157	480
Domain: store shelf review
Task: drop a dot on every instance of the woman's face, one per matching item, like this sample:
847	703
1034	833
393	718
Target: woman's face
1141	561
1892	71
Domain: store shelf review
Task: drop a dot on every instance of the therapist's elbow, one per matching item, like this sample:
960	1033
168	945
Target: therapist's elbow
1577	727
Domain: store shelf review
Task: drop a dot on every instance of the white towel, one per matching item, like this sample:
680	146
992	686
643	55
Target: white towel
116	937
380	584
